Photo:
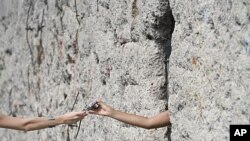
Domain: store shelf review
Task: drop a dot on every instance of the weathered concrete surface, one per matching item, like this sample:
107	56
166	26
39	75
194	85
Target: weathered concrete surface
51	50
114	50
209	68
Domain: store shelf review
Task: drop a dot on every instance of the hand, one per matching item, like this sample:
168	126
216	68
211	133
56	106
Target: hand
72	117
104	109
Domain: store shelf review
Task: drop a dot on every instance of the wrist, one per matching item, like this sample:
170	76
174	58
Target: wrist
60	120
112	113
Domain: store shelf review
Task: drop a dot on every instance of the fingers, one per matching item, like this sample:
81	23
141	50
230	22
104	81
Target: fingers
100	111
100	102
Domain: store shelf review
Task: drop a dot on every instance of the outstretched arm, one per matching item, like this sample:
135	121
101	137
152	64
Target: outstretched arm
160	120
28	124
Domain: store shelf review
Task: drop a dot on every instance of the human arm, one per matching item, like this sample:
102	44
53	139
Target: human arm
28	124
160	120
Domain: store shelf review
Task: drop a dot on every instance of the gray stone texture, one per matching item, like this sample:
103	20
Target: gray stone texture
209	68
55	51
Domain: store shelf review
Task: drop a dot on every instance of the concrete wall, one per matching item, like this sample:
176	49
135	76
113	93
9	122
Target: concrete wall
209	68
53	50
116	51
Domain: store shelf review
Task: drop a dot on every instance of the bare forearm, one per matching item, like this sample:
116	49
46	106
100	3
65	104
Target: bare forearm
40	123
132	119
28	124
160	120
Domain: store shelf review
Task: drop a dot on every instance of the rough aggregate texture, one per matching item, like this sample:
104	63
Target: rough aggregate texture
209	68
55	51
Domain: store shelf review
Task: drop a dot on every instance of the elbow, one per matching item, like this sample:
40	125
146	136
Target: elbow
26	128
152	124
148	125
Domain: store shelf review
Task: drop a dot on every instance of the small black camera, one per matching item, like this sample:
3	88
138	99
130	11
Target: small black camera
93	105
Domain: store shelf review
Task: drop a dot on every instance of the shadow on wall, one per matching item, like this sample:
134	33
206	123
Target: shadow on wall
165	29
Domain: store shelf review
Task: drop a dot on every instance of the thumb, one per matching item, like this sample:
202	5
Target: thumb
101	103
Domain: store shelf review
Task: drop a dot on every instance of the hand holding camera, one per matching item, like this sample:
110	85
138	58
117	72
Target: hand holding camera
100	108
93	106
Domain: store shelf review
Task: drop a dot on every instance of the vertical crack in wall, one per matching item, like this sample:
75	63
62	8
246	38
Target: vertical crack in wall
167	52
60	12
28	28
35	61
164	28
134	14
40	49
77	15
